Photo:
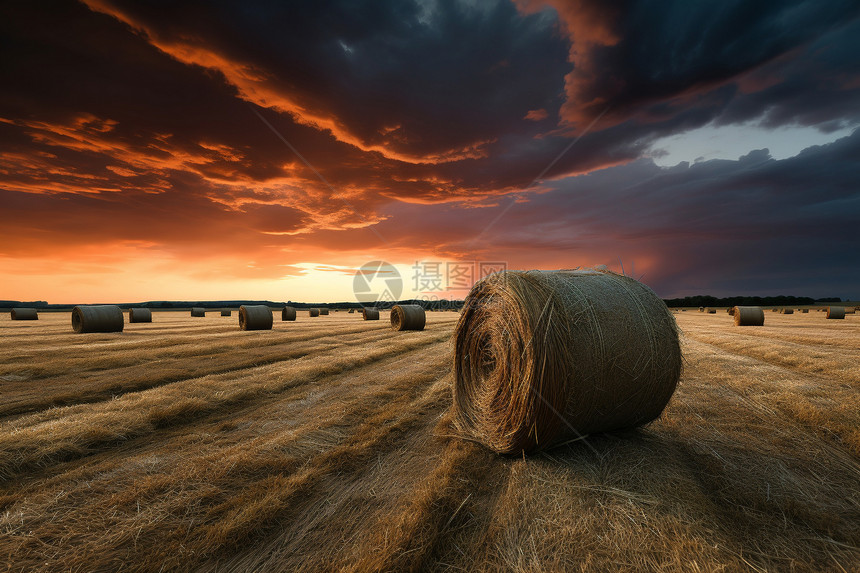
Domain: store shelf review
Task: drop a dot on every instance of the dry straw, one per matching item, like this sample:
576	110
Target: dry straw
323	312
255	317
408	317
139	315
749	316
97	318
226	313
731	310
313	312
788	311
712	311
197	311
370	313
543	357
24	314
288	313
849	310
835	312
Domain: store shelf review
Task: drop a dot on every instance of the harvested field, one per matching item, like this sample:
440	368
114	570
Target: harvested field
190	445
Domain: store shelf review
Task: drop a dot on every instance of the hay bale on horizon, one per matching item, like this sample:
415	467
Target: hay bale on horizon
701	309
97	318
198	311
849	310
749	316
139	315
712	311
350	311
408	317
288	313
313	312
370	313
836	312
600	348
323	312
731	311
804	310
226	313
788	311
24	314
255	317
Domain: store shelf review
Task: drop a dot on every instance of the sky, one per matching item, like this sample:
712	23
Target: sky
272	150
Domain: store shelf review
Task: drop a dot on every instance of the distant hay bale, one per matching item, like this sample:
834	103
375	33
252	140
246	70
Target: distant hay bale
370	313
226	313
804	310
835	312
24	314
712	311
197	311
350	311
701	309
255	317
313	312
788	311
139	315
97	318
542	357
749	316
774	310
731	310
408	317
323	312
288	313
849	309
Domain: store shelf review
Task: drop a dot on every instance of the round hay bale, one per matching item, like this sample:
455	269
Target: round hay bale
313	312
542	357
139	315
731	311
97	318
255	317
323	312
350	311
712	311
749	316
408	317
226	313
849	309
198	311
370	313
701	309
804	311
788	311
288	313
835	312
24	314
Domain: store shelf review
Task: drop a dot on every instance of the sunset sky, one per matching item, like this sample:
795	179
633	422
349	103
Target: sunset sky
266	150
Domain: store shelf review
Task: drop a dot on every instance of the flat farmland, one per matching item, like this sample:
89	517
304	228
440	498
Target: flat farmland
326	444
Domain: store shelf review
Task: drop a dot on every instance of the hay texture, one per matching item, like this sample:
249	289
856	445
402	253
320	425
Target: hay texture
255	317
323	312
139	315
24	314
849	310
408	317
313	312
731	311
197	311
711	311
288	313
543	357
97	318
749	316
226	313
788	311
370	313
835	312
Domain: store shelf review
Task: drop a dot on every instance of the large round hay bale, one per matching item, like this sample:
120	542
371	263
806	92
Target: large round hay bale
313	312
288	313
226	313
24	314
97	318
198	311
139	315
323	312
749	316
370	313
542	357
255	317
835	312
408	317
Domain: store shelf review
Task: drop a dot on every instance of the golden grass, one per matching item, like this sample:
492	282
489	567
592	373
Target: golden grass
329	446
